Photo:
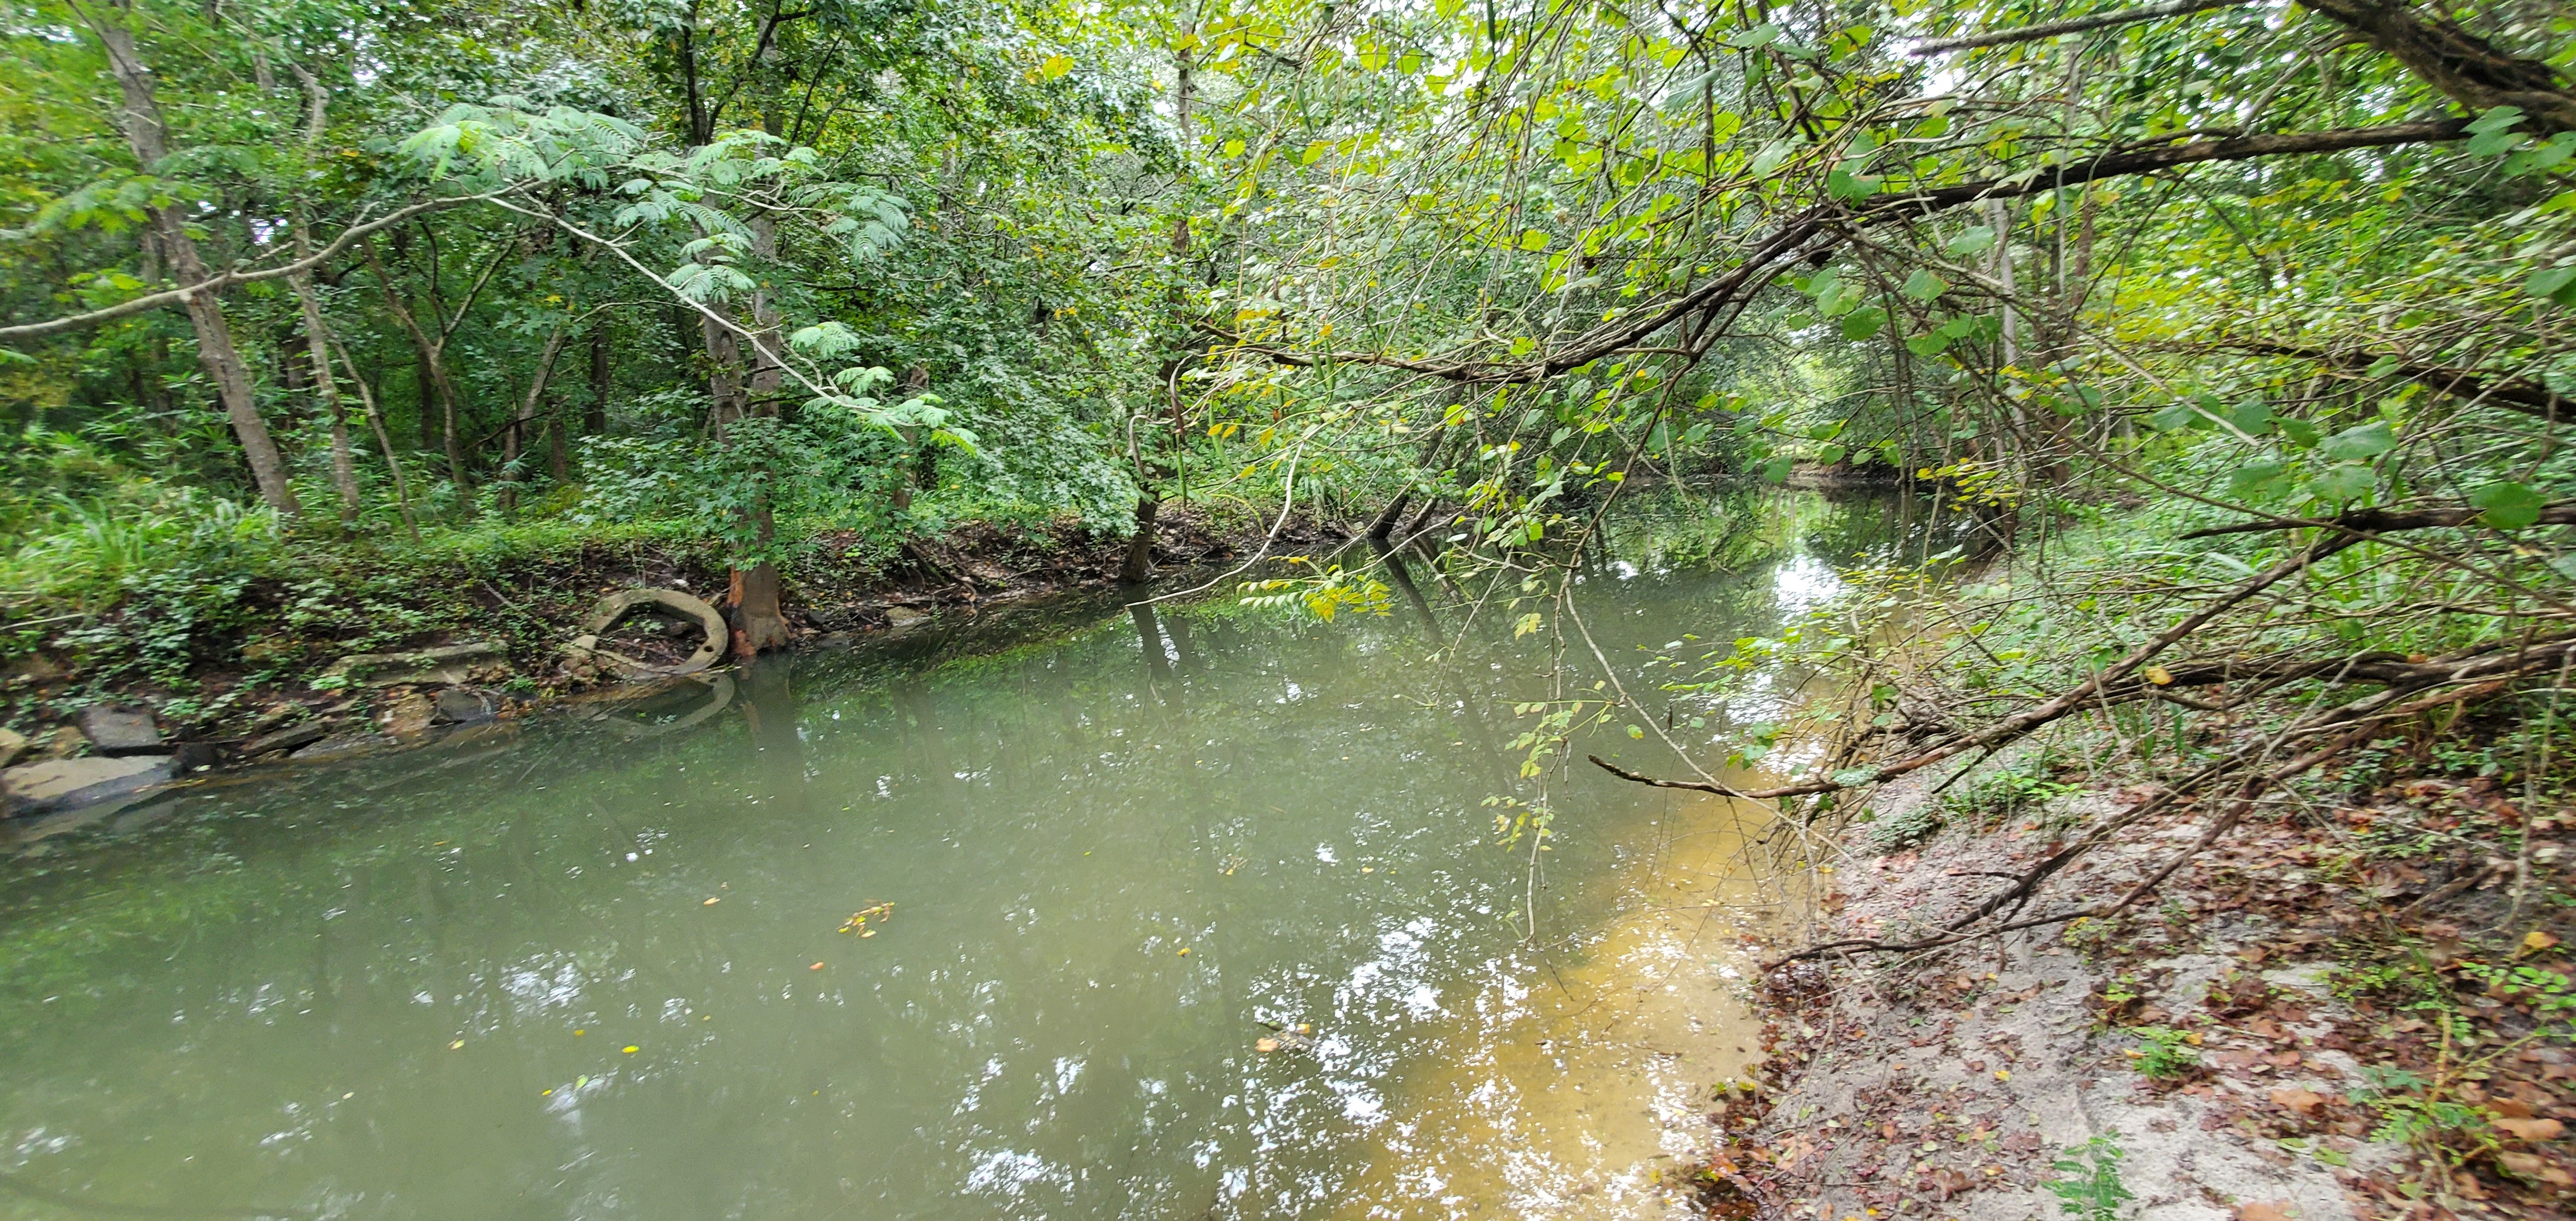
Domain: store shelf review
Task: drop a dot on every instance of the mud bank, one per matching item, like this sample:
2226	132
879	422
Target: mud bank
2238	1048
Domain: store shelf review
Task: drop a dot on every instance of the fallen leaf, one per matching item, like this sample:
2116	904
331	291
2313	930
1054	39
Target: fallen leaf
1950	1182
630	1049
816	967
2302	1101
708	903
2535	941
2160	676
2510	1108
2530	1129
2264	1210
456	1045
1265	1045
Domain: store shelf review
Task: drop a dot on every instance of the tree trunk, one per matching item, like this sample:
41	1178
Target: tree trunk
149	138
432	365
2457	62
1139	564
376	421
759	624
915	380
317	337
595	421
344	464
527	414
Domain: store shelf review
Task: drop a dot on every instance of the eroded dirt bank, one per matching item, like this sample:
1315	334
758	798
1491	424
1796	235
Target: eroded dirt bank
2335	1012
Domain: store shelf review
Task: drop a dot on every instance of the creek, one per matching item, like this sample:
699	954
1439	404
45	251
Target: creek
606	962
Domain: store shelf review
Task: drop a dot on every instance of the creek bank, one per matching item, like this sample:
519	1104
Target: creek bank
87	740
2243	1050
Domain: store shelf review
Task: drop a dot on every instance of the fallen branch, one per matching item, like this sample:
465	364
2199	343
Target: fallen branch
223	280
2033	33
2385	521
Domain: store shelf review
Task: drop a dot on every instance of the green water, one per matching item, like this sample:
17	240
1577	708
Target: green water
485	980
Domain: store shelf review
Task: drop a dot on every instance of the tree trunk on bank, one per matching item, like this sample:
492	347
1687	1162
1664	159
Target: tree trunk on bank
759	623
1139	564
149	139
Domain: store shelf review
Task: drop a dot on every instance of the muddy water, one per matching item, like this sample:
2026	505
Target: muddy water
606	963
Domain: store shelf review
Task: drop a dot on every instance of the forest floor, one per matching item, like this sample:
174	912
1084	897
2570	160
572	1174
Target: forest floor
239	673
2338	1010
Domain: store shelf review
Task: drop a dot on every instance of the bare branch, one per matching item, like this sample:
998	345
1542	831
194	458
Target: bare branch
2033	33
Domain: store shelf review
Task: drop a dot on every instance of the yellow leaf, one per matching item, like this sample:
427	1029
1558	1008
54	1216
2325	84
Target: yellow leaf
630	1049
455	1045
1055	65
2160	676
2535	941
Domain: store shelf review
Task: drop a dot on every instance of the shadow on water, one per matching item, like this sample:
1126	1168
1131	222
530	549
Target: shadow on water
603	963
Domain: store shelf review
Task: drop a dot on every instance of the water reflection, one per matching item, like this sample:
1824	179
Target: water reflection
593	964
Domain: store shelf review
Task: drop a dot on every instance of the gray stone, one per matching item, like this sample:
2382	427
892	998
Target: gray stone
447	664
63	784
285	739
342	746
12	745
119	731
899	617
464	706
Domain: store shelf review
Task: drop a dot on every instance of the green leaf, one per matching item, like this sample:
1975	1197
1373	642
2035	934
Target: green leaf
2175	417
1863	323
2258	479
1975	241
1776	470
1055	65
2349	481
2497	119
2361	443
1830	455
2507	505
1923	285
1535	240
2549	280
2253	418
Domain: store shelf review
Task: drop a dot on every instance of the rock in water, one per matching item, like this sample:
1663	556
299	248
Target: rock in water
119	731
63	784
461	706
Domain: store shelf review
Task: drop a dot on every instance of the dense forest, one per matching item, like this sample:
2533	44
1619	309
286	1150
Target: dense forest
297	280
